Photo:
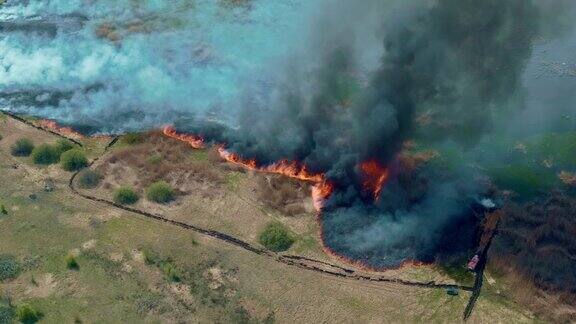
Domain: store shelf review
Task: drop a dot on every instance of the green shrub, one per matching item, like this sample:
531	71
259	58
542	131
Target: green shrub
160	192
71	262
64	145
125	196
22	147
132	138
276	237
45	154
150	256
73	160
9	267
27	314
89	179
3	210
6	314
169	271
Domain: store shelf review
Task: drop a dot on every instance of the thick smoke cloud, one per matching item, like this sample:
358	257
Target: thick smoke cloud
330	83
451	65
129	65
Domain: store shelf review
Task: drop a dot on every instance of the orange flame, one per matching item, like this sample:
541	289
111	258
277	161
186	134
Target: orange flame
53	126
321	190
374	177
196	142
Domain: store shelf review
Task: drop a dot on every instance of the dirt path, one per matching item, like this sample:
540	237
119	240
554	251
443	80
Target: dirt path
322	267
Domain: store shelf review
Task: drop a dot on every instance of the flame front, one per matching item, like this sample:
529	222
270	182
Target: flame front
374	177
53	126
321	190
196	142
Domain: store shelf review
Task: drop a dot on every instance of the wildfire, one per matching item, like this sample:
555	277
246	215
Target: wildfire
321	190
374	177
53	126
196	142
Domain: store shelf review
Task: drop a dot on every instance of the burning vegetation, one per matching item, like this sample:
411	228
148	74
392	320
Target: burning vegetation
448	73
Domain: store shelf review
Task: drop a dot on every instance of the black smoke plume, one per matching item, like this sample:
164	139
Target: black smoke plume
330	83
457	62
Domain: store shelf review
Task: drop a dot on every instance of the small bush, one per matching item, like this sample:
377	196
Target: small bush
64	145
276	237
125	196
160	192
71	262
3	210
169	271
27	314
22	147
89	179
6	314
45	154
150	256
73	160
9	267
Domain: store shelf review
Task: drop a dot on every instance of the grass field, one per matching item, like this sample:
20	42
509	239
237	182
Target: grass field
132	269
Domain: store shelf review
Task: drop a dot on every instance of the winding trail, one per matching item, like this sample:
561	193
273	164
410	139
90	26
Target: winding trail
319	266
292	260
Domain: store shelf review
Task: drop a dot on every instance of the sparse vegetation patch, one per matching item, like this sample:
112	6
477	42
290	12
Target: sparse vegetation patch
132	138
89	179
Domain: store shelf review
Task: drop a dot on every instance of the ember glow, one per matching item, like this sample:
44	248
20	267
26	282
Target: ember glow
196	142
374	177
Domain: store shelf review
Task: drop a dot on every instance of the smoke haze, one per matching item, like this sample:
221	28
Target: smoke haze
330	83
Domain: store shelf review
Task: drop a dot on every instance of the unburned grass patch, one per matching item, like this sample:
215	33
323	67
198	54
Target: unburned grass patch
458	272
164	264
282	194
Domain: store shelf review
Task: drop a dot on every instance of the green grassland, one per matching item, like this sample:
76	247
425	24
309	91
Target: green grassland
136	270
